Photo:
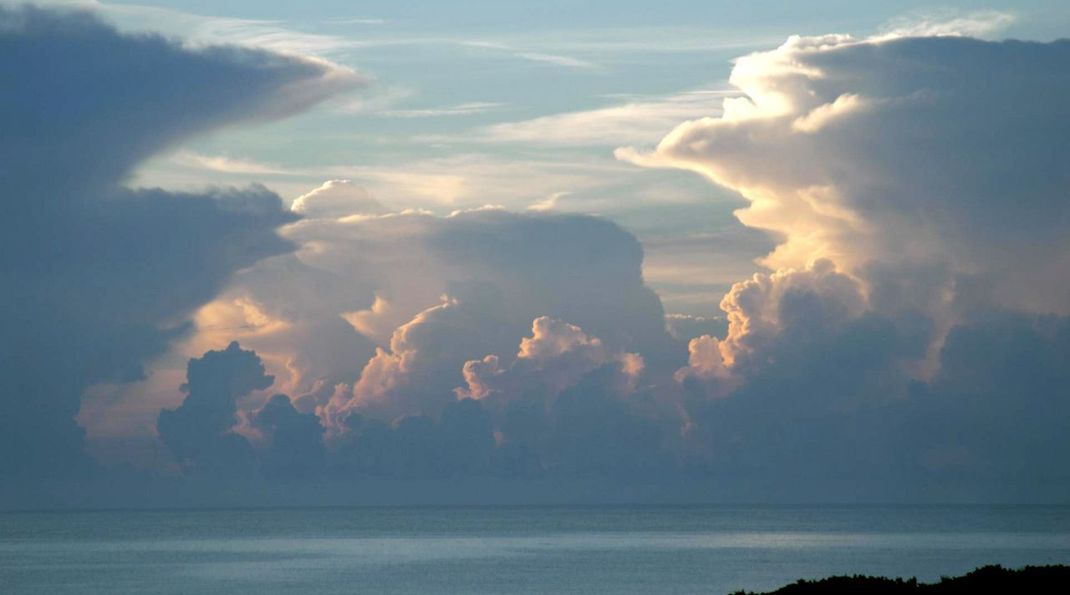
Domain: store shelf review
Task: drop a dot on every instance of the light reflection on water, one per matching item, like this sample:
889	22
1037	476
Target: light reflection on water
501	550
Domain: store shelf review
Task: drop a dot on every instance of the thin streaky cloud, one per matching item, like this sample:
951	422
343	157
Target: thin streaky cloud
639	119
378	99
278	36
645	40
463	180
533	56
556	59
566	49
199	30
229	165
948	23
549	203
357	21
461	109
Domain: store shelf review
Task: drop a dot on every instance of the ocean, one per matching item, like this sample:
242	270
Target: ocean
681	549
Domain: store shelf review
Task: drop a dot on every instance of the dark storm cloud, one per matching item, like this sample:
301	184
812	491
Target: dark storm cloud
294	440
835	416
198	432
460	442
91	103
997	415
97	277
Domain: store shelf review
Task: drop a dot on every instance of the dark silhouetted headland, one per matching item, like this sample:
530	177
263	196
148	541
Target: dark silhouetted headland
987	579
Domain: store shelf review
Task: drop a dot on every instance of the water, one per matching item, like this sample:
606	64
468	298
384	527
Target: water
498	550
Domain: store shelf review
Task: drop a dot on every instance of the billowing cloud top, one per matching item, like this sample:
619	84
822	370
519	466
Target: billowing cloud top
939	152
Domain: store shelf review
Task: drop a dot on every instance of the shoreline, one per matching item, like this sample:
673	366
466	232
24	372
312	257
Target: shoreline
993	579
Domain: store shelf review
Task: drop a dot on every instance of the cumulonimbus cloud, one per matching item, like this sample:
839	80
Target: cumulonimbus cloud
885	153
914	183
910	332
843	361
99	277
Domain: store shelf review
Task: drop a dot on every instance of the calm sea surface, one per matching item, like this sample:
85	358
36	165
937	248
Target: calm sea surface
499	550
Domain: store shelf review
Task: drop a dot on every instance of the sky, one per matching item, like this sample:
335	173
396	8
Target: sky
336	252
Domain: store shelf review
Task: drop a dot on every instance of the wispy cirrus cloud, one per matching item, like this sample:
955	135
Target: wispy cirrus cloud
460	109
281	36
613	42
196	30
357	21
534	55
229	165
945	23
471	179
639	119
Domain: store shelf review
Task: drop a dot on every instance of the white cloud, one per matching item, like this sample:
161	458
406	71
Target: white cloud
533	56
641	120
882	152
555	357
358	21
948	23
337	198
200	30
229	165
461	109
468	180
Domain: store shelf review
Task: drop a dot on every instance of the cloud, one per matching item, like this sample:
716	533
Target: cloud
559	60
198	433
919	210
554	358
424	359
467	180
769	306
205	432
431	293
461	109
230	165
200	30
571	405
565	404
358	21
534	56
99	278
686	327
800	147
294	440
113	74
691	271
640	120
459	442
337	198
608	44
499	271
996	412
948	23
909	339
